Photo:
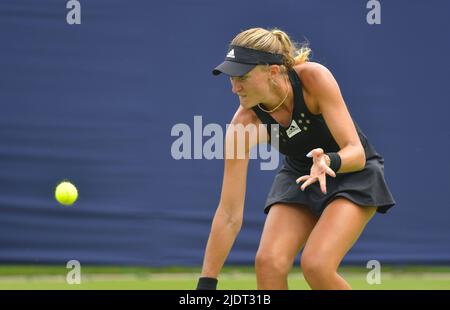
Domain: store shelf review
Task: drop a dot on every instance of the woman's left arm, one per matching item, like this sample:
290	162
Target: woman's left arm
322	86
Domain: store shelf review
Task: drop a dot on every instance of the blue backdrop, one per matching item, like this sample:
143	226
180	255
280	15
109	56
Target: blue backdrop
96	102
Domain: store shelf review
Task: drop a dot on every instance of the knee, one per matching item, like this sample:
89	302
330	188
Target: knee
316	266
272	263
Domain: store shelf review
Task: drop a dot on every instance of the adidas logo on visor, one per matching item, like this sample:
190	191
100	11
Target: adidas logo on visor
231	54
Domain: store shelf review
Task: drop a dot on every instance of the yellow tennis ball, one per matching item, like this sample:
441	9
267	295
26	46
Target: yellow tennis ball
66	193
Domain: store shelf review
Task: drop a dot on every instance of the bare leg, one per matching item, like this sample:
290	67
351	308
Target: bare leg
286	229
337	230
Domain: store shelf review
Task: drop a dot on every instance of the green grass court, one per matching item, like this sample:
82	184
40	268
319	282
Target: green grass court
240	278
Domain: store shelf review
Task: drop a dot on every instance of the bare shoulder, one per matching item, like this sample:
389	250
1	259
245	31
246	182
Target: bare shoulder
314	76
251	126
245	117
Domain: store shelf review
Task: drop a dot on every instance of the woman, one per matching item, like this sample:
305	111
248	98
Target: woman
331	183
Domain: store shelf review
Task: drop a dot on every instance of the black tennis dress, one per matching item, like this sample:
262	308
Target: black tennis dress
307	132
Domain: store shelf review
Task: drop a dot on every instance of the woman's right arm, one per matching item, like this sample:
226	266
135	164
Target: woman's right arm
228	218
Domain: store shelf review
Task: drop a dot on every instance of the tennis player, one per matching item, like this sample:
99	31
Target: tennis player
332	180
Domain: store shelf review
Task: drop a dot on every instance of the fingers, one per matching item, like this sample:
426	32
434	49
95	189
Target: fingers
312	179
302	178
308	182
323	183
315	152
330	172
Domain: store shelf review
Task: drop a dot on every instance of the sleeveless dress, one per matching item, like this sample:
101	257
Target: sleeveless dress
307	132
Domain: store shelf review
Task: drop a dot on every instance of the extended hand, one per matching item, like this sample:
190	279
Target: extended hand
318	172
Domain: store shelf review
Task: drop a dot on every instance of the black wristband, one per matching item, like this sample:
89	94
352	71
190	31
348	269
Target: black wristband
205	283
335	161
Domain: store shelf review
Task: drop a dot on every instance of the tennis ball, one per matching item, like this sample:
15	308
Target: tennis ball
66	193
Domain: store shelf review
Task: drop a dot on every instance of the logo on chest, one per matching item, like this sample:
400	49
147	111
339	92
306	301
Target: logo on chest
293	129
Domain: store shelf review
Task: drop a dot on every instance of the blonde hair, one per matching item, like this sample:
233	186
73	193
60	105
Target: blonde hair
274	41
